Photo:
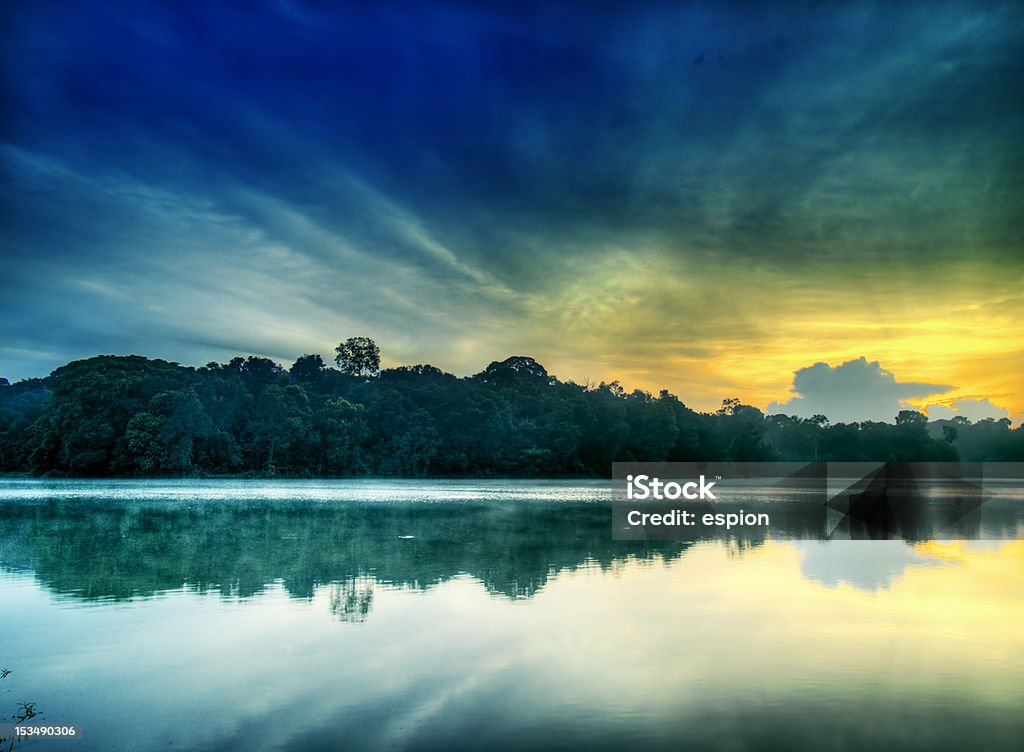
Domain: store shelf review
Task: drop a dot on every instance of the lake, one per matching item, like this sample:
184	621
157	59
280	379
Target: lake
322	615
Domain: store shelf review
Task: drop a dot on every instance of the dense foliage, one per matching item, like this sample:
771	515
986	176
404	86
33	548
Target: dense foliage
113	415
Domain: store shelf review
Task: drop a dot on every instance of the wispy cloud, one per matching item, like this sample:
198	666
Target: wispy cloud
702	198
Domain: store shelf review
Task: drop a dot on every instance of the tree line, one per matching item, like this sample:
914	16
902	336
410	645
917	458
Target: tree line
135	416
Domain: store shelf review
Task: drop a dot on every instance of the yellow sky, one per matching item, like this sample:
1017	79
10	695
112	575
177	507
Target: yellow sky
708	333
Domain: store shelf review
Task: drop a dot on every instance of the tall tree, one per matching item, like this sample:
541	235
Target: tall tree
358	356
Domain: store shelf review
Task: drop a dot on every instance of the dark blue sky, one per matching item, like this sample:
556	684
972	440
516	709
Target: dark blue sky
706	197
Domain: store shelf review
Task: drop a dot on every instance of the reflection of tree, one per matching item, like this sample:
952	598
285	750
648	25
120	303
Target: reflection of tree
123	549
737	548
351	600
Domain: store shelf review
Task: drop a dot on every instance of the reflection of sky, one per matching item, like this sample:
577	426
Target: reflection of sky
704	197
705	649
868	565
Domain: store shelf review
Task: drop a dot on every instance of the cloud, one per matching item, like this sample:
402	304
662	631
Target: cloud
972	409
854	391
691	196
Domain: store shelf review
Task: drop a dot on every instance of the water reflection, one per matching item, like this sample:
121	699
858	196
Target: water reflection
868	565
313	625
95	546
104	548
351	601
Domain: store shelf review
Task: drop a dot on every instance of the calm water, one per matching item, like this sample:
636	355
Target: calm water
440	615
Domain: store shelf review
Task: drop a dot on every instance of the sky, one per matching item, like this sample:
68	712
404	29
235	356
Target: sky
814	207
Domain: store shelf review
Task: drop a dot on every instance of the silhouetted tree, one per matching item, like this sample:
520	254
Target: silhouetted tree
358	356
134	416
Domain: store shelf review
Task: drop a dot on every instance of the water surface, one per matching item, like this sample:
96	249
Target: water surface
435	615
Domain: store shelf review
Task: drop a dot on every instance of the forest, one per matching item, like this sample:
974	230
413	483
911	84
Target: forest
135	416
